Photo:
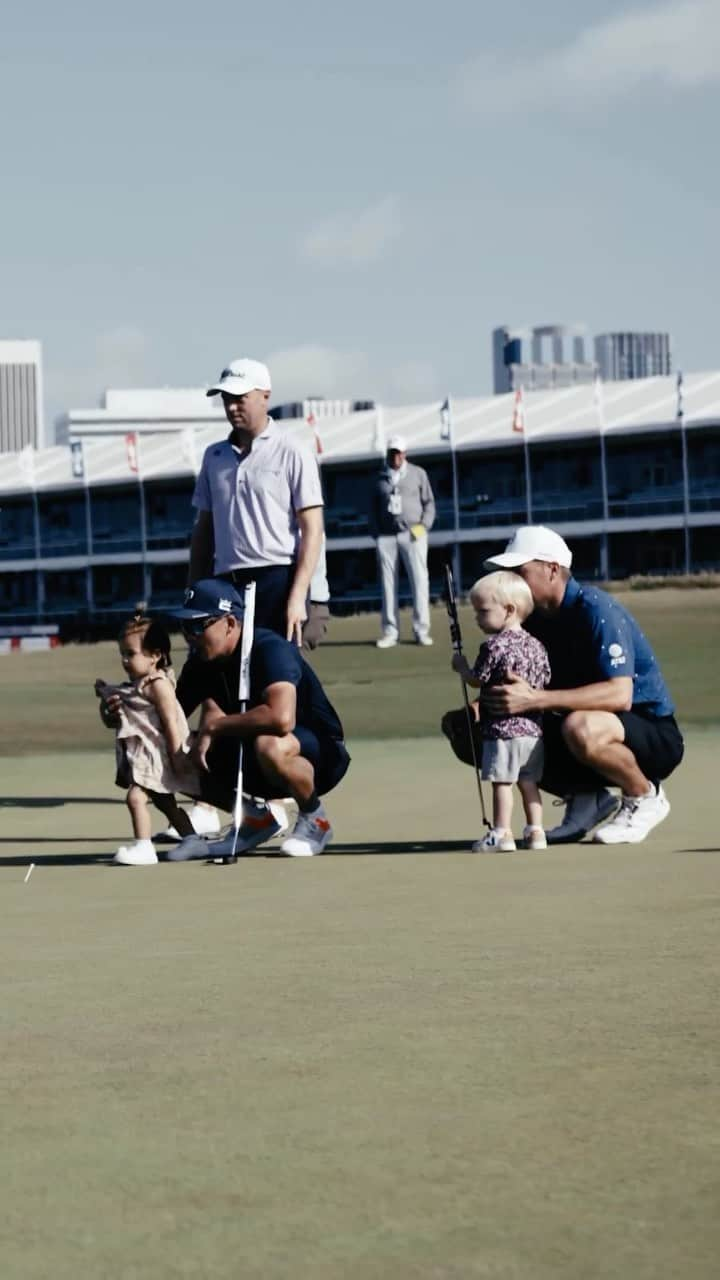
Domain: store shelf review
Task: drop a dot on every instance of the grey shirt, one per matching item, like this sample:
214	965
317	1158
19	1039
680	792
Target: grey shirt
413	495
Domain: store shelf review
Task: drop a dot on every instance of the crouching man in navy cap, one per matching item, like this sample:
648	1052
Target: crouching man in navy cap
291	734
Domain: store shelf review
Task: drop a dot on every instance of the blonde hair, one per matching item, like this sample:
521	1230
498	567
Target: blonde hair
507	589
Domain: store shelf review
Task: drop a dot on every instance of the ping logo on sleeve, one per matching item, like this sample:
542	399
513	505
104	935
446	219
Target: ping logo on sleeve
617	655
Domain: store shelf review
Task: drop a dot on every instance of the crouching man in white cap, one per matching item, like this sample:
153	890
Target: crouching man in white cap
608	716
402	513
608	719
292	736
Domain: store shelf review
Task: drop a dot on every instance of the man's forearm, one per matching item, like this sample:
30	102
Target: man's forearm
606	695
249	724
311	530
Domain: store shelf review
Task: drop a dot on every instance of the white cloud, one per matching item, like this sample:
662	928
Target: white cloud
352	239
673	46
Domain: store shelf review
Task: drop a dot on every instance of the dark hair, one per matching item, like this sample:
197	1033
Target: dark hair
153	636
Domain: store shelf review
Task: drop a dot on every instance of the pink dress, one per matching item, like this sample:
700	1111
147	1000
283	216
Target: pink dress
141	751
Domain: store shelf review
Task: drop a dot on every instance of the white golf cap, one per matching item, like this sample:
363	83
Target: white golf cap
532	542
397	442
241	376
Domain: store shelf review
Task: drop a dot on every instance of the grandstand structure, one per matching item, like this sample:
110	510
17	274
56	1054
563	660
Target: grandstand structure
89	527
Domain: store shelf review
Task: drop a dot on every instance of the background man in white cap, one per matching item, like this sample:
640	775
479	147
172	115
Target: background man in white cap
402	512
259	504
608	717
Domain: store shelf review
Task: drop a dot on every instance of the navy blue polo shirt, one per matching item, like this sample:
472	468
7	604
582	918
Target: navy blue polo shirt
273	660
593	637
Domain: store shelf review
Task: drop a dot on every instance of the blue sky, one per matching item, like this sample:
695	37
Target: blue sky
356	193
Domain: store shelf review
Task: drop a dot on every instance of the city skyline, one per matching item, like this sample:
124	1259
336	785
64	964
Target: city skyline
181	188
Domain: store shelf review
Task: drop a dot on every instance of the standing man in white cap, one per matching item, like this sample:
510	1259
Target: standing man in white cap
608	718
259	504
402	513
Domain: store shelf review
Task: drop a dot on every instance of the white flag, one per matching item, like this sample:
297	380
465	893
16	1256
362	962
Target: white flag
447	426
680	411
378	442
599	401
26	464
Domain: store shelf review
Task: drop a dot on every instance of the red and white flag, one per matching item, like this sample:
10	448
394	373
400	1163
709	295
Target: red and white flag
518	418
131	448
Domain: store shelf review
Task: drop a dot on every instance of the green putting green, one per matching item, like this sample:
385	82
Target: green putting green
398	1060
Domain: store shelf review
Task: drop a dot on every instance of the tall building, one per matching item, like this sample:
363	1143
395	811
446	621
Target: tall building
632	355
21	403
550	355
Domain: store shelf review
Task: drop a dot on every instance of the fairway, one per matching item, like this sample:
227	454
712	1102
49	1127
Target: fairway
398	1060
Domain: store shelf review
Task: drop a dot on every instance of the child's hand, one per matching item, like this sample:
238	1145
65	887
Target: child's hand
460	664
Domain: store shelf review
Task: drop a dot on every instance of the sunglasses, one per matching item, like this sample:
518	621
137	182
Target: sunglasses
196	626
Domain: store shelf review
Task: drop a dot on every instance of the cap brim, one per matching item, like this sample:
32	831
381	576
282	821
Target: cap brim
187	614
506	560
233	387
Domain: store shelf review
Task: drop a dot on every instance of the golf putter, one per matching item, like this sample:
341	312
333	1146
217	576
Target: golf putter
456	641
246	644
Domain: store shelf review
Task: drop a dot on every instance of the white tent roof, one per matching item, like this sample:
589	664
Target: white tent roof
561	414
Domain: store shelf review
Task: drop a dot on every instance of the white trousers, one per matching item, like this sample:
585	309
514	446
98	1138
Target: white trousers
391	549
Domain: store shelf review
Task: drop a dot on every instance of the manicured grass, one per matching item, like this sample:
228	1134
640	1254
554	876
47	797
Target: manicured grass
48	697
425	1065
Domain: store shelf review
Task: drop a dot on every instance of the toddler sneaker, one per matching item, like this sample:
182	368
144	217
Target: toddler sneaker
496	841
140	854
534	838
312	832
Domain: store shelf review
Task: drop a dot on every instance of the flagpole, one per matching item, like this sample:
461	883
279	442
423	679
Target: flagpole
600	407
447	432
685	477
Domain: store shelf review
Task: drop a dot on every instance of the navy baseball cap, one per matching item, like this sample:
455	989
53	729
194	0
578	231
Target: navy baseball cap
210	598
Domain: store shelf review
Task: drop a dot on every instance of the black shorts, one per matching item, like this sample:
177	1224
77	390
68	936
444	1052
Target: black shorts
655	741
328	756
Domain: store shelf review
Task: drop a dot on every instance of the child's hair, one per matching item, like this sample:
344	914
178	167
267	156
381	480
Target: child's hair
506	588
154	637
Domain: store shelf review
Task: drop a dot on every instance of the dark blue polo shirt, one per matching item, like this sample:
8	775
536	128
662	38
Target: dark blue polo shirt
593	637
273	660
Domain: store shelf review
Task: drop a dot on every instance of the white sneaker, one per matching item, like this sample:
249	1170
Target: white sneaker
635	819
534	838
583	812
427	641
140	854
205	821
496	841
386	642
311	834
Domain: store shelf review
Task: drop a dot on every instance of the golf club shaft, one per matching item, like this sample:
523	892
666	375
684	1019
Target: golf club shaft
456	640
246	644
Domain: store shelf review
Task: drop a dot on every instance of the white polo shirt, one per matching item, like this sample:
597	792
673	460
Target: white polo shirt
253	496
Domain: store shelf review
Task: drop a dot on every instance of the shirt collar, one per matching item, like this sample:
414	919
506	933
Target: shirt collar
572	591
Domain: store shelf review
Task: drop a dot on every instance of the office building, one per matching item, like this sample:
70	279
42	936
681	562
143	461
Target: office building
21	403
632	355
550	355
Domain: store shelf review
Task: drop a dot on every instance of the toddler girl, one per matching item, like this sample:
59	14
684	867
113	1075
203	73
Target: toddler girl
152	739
512	745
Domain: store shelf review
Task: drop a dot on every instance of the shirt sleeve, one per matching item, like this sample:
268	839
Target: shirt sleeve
201	498
304	478
275	661
614	648
427	500
484	663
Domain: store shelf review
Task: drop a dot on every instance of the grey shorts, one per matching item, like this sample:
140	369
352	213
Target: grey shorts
512	759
